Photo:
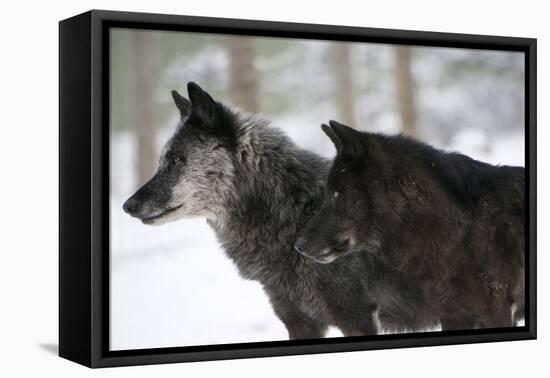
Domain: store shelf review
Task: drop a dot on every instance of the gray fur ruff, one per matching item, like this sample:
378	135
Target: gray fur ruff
276	190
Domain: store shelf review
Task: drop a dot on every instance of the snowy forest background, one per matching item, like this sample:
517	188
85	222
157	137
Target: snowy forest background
172	285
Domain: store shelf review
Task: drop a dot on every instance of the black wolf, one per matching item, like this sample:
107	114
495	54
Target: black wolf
444	232
257	190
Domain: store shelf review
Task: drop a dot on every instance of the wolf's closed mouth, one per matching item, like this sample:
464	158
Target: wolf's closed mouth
149	219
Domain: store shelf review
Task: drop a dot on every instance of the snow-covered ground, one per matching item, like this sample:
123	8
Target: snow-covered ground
173	286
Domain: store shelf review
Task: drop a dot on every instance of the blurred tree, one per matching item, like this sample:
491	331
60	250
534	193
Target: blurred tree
405	90
243	80
123	77
344	85
143	65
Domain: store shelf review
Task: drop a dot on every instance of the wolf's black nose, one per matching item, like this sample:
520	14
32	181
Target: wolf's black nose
130	206
300	245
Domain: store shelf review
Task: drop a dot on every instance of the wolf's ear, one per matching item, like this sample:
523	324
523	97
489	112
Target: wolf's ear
333	137
350	140
183	104
203	105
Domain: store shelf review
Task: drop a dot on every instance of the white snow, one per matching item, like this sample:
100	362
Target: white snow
173	286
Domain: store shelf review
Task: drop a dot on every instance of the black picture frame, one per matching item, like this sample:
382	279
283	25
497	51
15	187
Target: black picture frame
84	187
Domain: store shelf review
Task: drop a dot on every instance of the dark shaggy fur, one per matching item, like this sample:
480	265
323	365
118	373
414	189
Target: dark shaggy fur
258	190
443	233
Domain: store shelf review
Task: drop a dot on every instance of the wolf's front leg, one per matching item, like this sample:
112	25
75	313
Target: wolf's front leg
298	324
365	323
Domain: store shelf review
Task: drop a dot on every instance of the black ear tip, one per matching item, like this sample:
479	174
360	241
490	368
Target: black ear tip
334	123
192	86
175	94
325	127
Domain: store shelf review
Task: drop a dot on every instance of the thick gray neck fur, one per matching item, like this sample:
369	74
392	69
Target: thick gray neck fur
276	188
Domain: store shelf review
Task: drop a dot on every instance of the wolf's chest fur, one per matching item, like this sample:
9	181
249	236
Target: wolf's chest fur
261	227
265	253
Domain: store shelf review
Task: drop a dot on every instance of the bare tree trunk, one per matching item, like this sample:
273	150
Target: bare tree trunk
144	107
405	90
344	84
243	76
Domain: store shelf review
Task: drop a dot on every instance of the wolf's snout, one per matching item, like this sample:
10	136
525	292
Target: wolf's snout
131	206
300	245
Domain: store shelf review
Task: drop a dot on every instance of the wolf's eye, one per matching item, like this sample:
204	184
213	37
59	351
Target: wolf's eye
176	160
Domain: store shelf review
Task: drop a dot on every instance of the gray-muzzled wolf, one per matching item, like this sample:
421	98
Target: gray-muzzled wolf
257	190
